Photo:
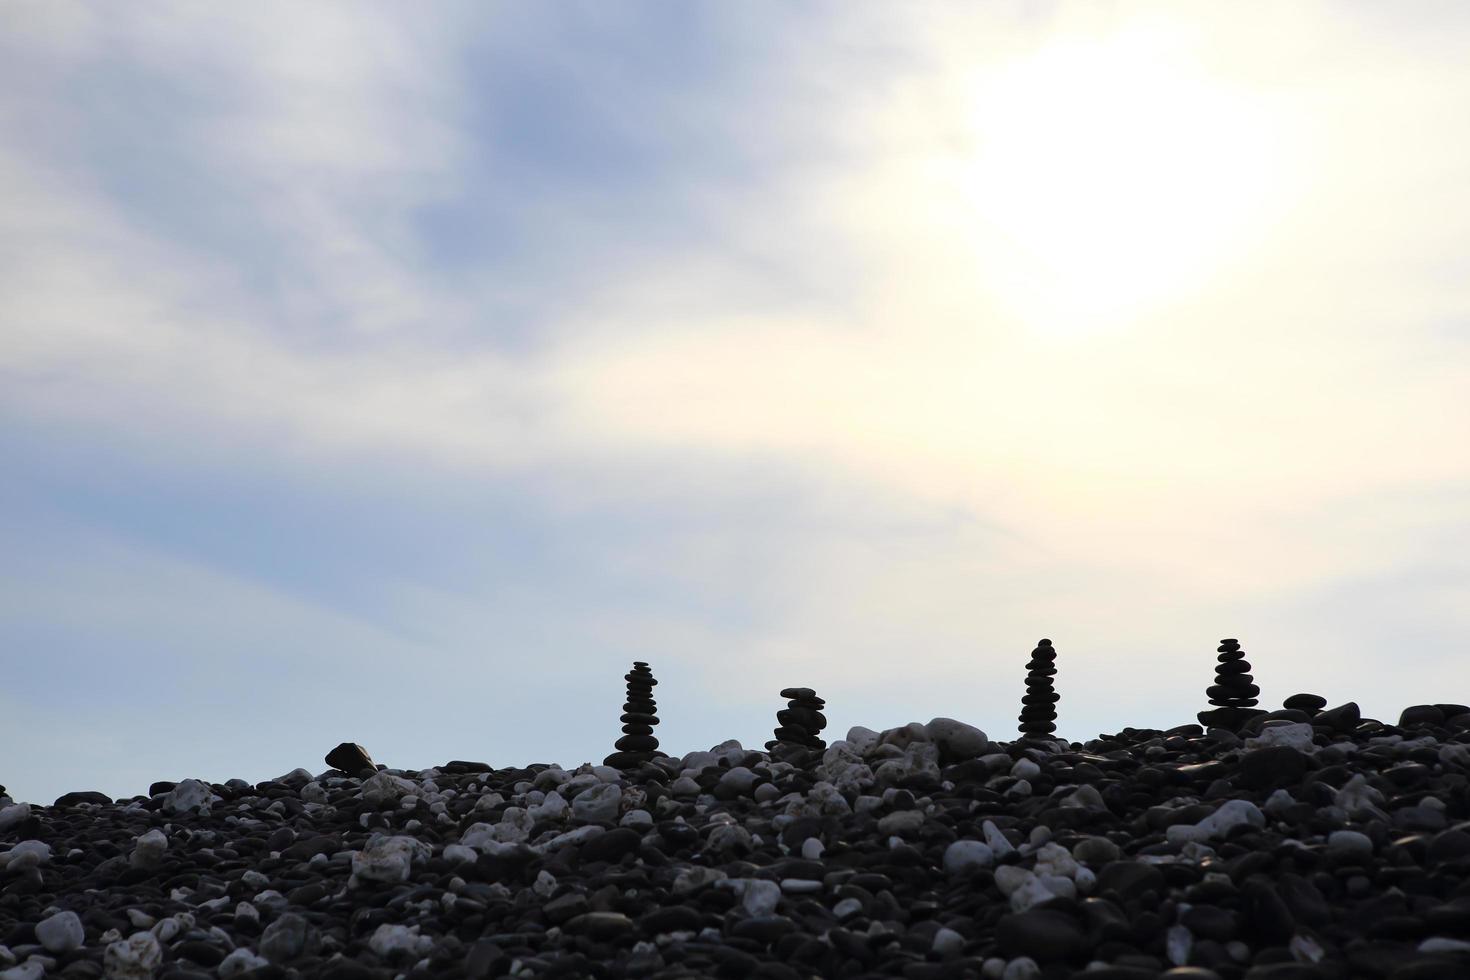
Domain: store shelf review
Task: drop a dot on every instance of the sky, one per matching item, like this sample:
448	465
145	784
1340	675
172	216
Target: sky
399	374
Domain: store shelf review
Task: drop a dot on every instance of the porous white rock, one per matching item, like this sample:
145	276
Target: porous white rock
965	857
384	787
61	932
149	849
812	848
861	740
1054	859
134	958
1296	735
391	938
389	858
460	854
597	804
313	792
758	896
956	740
728	837
240	961
842	766
554	806
1228	816
917	759
189	794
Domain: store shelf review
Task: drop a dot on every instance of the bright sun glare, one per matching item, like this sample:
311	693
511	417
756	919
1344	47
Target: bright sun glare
1109	175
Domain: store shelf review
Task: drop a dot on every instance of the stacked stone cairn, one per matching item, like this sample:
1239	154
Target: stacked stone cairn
638	744
801	721
1038	716
1234	691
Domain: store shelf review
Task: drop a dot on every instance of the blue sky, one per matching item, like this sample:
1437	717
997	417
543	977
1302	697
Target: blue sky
399	376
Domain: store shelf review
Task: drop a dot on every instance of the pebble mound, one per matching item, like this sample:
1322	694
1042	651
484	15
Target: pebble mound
1307	845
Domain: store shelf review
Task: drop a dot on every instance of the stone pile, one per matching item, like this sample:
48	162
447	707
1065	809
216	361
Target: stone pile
1234	692
1038	716
638	744
801	722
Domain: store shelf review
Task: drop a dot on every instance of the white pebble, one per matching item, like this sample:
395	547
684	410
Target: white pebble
61	932
812	848
241	961
149	849
967	856
134	958
947	942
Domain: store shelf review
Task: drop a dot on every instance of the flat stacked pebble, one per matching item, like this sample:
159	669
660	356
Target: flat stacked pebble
801	722
638	744
1319	844
1038	716
1234	691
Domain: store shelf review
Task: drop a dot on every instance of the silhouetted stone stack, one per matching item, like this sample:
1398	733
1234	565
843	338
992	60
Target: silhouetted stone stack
1038	716
1234	691
638	743
801	721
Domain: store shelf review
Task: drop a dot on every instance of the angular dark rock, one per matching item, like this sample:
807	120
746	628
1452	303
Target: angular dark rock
353	759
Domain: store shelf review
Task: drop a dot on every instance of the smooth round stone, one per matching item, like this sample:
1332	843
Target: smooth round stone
638	729
791	732
1421	714
61	932
1051	698
1043	655
636	681
1233	691
1233	667
640	707
795	693
1310	703
802	717
1349	844
636	743
638	718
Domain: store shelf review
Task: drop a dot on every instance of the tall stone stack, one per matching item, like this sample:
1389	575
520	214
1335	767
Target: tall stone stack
801	721
638	743
1038	716
1234	691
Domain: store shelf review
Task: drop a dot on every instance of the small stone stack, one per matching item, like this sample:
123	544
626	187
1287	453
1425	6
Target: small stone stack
1234	691
638	743
1038	716
801	721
